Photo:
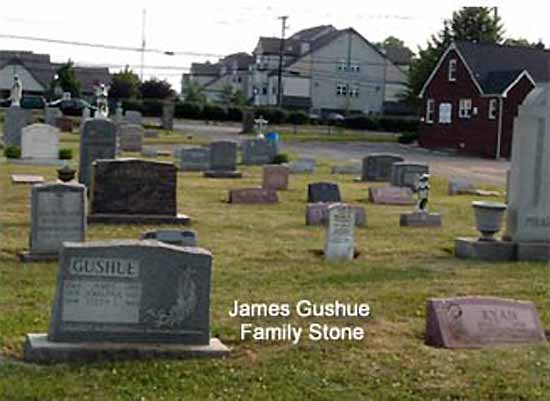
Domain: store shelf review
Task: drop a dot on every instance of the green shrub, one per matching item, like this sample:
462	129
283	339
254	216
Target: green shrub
188	110
214	112
12	152
298	117
386	124
281	158
272	114
408	137
132	104
234	114
152	108
65	154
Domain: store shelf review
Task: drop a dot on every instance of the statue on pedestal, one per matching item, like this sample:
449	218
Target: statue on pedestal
102	93
423	192
16	92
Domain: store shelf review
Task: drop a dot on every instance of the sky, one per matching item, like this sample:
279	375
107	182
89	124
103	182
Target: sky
217	28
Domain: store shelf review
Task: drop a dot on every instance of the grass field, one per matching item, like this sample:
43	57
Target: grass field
268	254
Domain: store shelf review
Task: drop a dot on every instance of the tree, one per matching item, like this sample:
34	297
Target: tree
391	41
193	92
477	24
66	79
156	89
522	42
239	98
125	85
226	94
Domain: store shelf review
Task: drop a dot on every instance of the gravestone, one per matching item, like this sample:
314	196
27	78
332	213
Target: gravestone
128	299
339	240
323	192
253	196
193	159
529	187
478	322
172	237
98	141
317	214
258	152
406	174
127	191
15	120
150	152
168	109
302	166
151	133
223	160
65	124
399	196
51	114
460	187
130	137
248	122
27	179
58	214
40	145
275	177
377	167
133	117
352	169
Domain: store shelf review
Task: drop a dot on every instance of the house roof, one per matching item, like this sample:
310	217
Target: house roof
241	60
273	46
205	68
91	76
398	55
311	34
38	65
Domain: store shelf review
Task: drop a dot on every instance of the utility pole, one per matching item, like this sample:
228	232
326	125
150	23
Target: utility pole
281	51
143	15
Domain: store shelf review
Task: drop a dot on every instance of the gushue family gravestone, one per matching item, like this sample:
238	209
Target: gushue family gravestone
223	160
40	145
127	191
173	237
275	177
477	322
128	299
406	174
377	167
193	159
58	214
98	141
323	192
339	240
131	137
258	152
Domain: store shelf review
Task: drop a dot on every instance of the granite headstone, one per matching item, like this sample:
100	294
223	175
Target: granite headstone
133	117
193	159
40	141
339	240
317	214
130	137
323	192
16	119
406	174
377	167
399	196
98	141
251	196
258	152
302	166
275	177
223	160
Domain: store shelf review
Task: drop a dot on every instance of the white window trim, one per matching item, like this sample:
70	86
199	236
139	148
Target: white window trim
465	108
452	70
430	111
493	109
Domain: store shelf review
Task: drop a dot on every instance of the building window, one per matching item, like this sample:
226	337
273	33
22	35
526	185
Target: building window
354	91
341	89
430	110
465	108
493	105
342	66
264	90
452	70
445	113
355	68
239	79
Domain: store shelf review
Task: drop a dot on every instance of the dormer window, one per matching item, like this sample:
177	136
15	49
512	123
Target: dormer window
452	70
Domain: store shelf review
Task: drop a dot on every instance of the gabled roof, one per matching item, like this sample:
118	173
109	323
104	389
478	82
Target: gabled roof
38	65
241	60
205	69
495	68
91	76
314	33
273	46
398	55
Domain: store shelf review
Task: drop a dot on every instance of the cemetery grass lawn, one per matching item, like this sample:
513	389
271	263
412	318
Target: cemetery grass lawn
267	254
337	135
165	138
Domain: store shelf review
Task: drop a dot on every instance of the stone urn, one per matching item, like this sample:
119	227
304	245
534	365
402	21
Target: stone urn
66	173
488	218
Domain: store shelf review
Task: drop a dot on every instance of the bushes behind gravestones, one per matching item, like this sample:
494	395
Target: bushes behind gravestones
65	154
214	112
234	114
188	110
272	114
151	108
298	117
12	152
381	123
408	137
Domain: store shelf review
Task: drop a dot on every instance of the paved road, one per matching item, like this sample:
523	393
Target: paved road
481	171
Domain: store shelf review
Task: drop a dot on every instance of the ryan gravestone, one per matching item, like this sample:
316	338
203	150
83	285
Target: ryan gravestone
339	241
377	167
134	191
98	141
58	214
128	299
478	322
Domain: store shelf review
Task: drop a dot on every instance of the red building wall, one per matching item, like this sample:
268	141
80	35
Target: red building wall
478	134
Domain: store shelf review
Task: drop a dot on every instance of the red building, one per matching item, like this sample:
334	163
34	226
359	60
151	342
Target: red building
471	98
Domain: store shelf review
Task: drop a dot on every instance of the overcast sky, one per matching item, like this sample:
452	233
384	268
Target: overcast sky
223	27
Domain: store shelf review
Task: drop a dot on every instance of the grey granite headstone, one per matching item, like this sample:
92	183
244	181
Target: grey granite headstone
258	152
302	166
98	141
173	237
248	122
58	214
150	152
253	196
134	191
168	109
400	196
323	192
51	114
406	174
223	160
136	298
133	117
193	159
351	169
377	167
130	137
461	186
339	240
478	322
275	177
16	119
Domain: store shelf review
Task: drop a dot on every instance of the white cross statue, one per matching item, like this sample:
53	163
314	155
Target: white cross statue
261	123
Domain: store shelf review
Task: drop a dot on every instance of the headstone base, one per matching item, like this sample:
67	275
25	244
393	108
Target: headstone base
38	162
138	219
222	174
489	251
39	350
27	257
417	219
533	251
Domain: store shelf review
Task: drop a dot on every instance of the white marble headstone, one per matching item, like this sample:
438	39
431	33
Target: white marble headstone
340	236
40	141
